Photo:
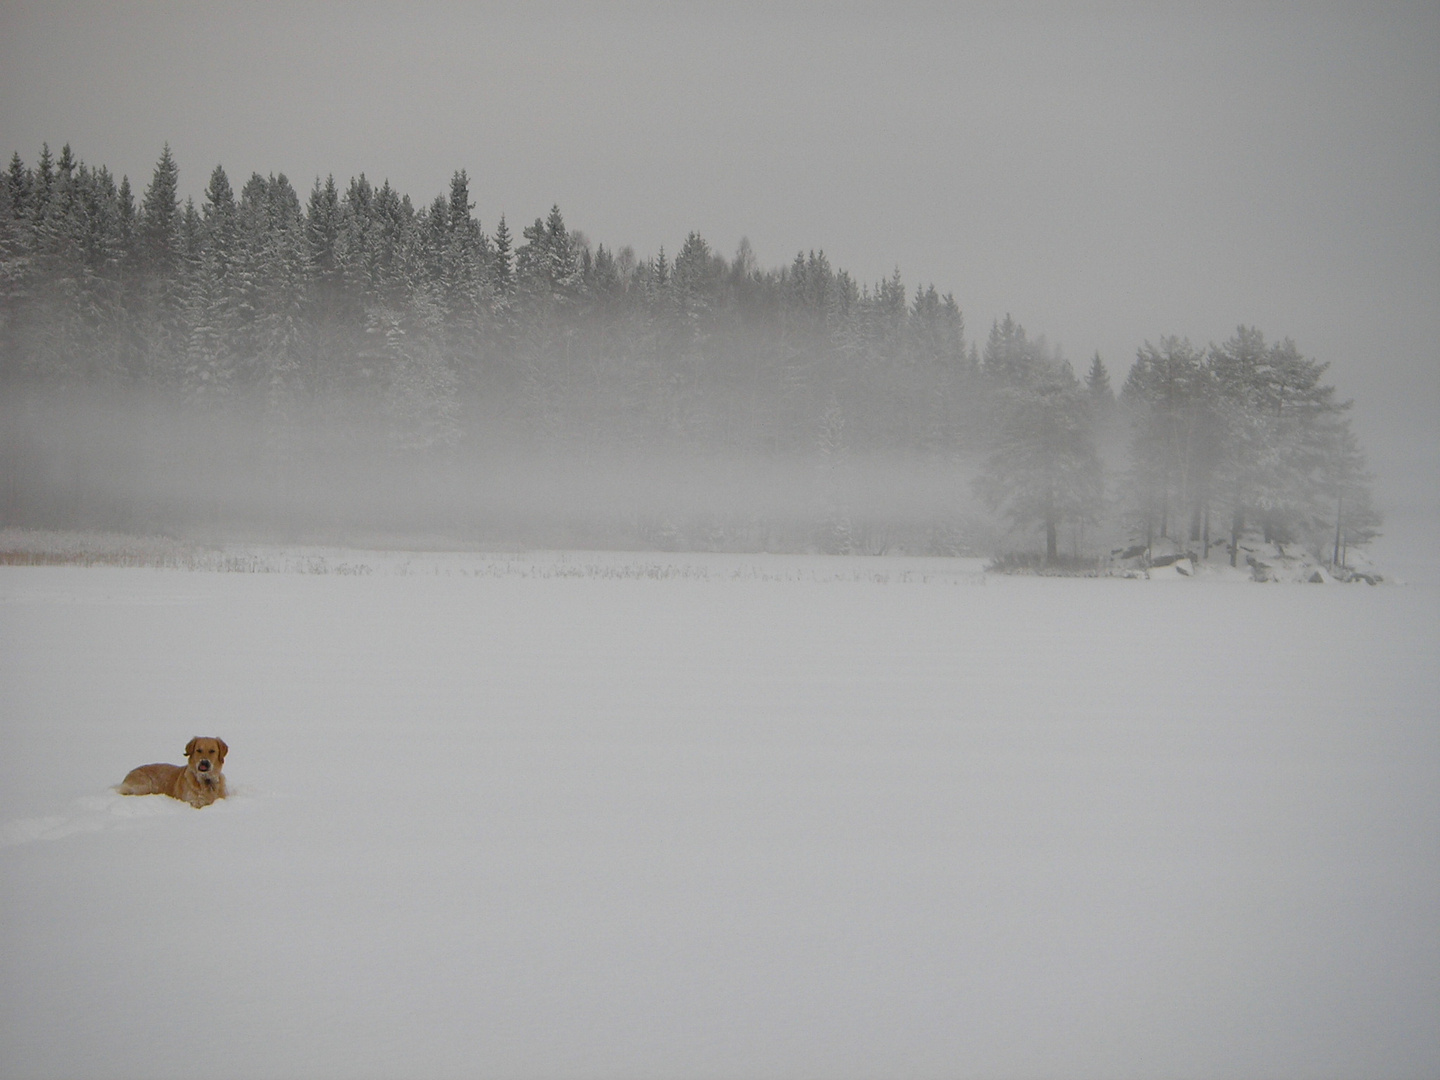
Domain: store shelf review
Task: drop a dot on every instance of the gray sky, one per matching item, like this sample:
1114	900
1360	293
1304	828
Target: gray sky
1106	173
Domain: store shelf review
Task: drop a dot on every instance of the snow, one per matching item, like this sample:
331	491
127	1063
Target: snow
585	815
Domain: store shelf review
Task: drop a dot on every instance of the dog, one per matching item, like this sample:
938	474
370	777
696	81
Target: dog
198	782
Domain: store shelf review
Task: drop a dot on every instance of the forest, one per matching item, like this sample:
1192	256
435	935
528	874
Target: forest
348	365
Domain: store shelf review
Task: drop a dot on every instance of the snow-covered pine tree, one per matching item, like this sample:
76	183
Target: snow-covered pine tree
1010	358
1097	384
502	259
208	373
43	180
1043	468
160	219
421	392
162	294
464	259
936	384
1343	481
55	272
464	287
696	279
1277	414
1305	411
1171	450
1249	455
323	226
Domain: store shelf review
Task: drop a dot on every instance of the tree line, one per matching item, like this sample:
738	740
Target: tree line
1242	436
413	332
449	334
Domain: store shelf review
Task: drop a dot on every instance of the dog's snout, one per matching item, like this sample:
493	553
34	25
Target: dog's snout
203	766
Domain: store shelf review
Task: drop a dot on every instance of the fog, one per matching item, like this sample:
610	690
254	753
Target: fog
139	464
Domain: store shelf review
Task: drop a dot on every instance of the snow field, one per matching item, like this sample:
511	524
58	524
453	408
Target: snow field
757	819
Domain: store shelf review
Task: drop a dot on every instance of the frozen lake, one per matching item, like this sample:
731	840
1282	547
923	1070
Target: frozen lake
718	816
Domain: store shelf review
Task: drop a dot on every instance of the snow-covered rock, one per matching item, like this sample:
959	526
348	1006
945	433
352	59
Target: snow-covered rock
1258	559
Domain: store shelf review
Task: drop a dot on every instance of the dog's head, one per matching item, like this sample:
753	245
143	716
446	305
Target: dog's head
205	755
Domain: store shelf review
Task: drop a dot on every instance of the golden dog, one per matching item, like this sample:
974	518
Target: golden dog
197	782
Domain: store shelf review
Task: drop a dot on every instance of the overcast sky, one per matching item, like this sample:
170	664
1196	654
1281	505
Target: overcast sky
1107	173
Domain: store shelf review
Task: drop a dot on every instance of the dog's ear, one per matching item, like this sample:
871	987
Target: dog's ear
190	746
223	748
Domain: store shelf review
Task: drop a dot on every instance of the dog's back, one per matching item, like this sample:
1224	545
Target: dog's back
156	779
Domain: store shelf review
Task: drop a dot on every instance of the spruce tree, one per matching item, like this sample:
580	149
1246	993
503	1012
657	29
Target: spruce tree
1097	383
218	212
43	182
160	219
1043	468
1168	389
502	260
1011	359
18	183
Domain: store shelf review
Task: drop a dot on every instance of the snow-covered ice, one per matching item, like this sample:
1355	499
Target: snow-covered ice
705	816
